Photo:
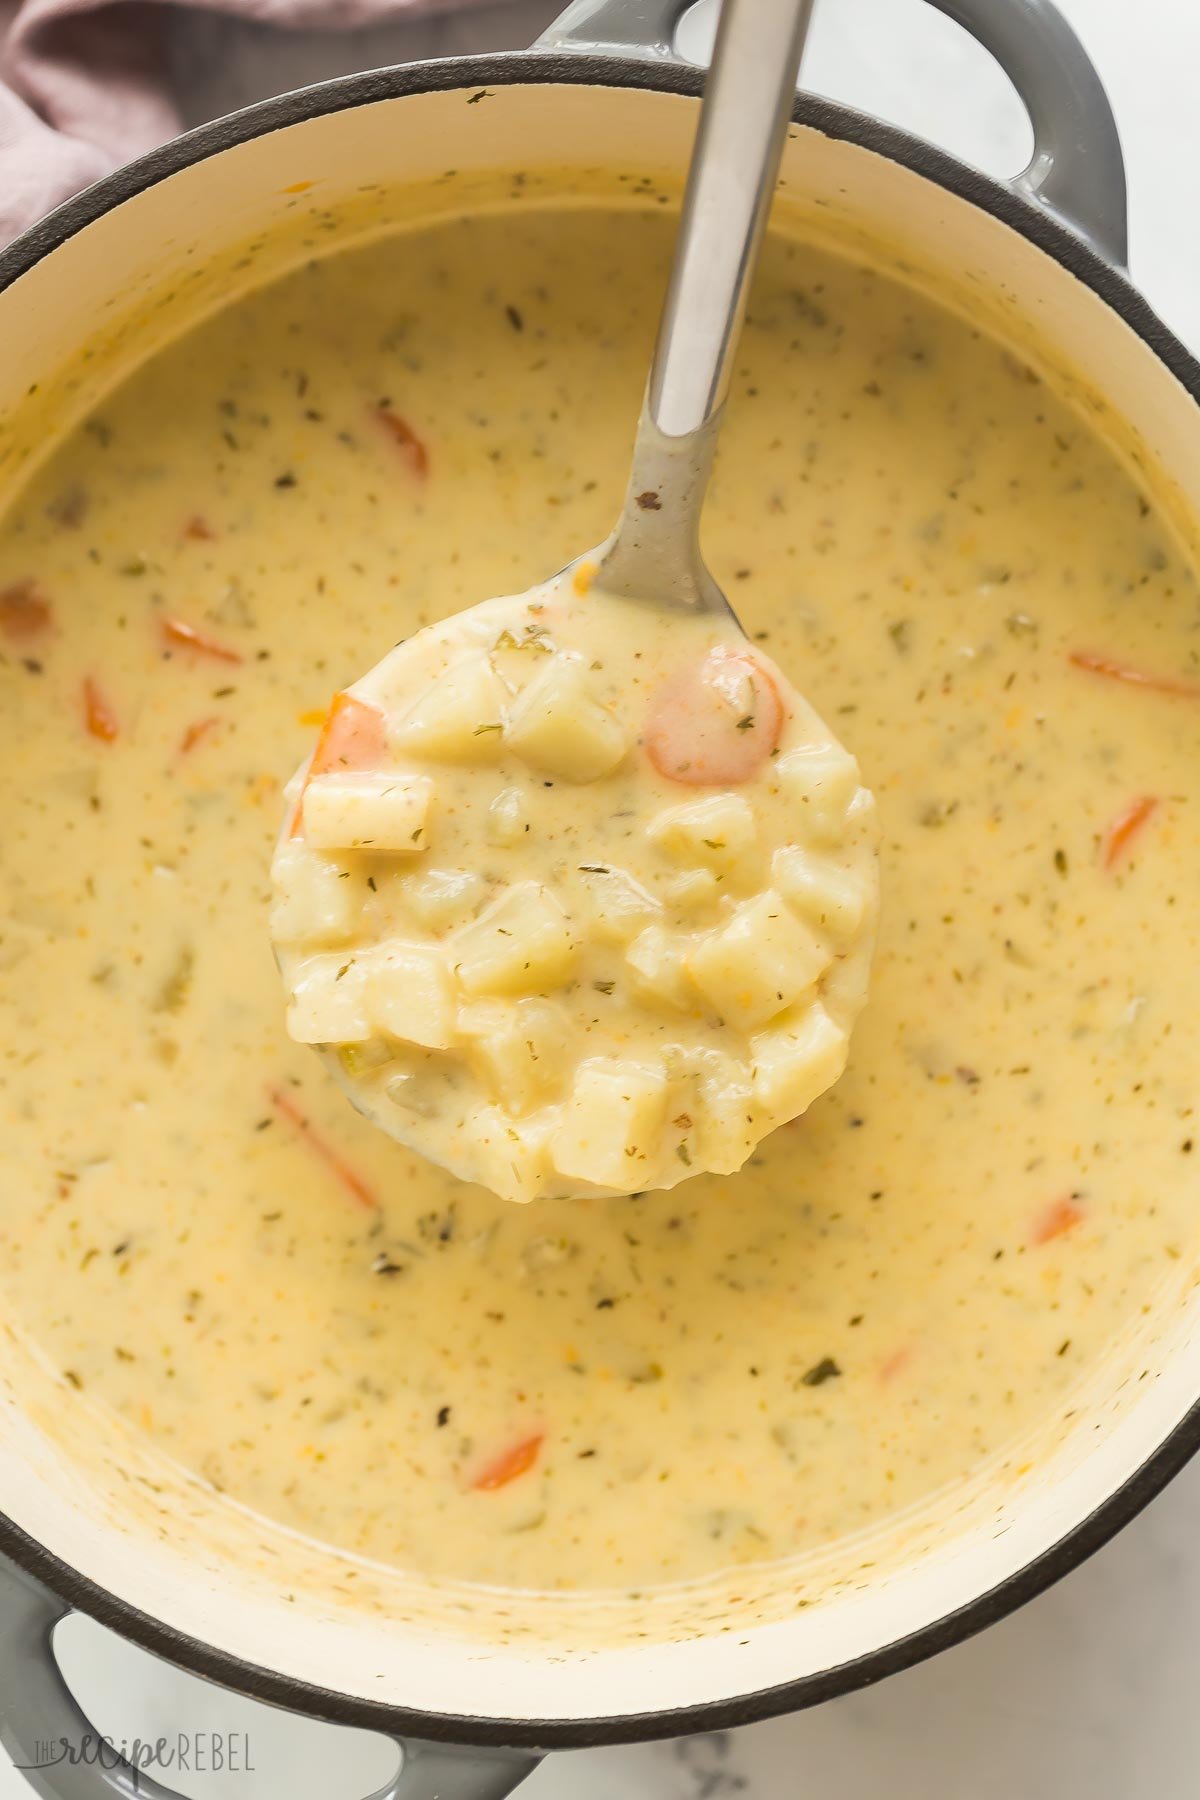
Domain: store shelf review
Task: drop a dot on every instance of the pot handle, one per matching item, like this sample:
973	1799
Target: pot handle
1077	172
63	1757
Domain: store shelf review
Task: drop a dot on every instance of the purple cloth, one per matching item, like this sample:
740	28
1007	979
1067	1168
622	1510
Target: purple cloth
84	85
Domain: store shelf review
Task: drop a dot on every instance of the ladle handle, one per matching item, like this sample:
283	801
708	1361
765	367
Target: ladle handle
735	162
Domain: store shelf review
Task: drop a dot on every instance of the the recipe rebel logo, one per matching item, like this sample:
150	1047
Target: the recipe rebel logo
197	1753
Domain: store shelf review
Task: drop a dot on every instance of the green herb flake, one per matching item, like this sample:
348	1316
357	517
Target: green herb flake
820	1373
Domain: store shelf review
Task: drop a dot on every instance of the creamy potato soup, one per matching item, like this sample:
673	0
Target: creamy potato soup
520	948
894	1293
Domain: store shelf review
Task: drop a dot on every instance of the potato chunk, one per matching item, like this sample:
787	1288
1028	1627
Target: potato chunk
439	899
367	810
658	959
823	781
327	1004
718	831
460	718
831	899
692	890
558	724
508	818
759	963
796	1060
512	1154
612	1122
517	1047
617	906
318	900
728	1130
410	996
521	945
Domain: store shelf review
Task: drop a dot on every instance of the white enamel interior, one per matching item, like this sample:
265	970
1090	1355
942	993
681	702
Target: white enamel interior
83	1486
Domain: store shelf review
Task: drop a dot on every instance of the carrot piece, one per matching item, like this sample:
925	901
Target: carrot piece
517	1460
25	612
405	438
1095	664
1056	1219
98	716
716	724
1124	829
354	1184
354	736
195	733
198	529
179	634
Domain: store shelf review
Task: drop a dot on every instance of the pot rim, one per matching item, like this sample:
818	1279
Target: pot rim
544	68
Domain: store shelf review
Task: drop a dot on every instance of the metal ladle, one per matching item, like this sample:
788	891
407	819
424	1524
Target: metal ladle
654	552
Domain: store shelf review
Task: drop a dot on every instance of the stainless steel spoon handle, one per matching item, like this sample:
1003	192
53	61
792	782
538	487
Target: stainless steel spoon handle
654	552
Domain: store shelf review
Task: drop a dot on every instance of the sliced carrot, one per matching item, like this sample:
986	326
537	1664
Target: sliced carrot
715	724
1095	664
1056	1219
25	612
198	529
1125	828
415	450
354	1184
196	733
179	634
517	1460
98	715
354	736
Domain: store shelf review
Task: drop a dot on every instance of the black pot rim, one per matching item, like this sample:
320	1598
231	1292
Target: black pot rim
536	68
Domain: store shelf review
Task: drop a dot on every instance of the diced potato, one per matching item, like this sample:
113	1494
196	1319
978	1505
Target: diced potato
821	780
366	810
517	1047
610	1129
508	818
719	830
440	899
461	716
845	984
558	724
317	899
410	995
522	944
759	963
833	900
725	1121
618	906
512	1154
658	959
327	1004
796	1060
720	1105
692	889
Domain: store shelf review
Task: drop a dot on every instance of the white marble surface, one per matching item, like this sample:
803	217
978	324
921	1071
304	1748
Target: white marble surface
1087	1694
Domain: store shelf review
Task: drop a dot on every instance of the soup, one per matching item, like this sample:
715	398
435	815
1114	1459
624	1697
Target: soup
896	1292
